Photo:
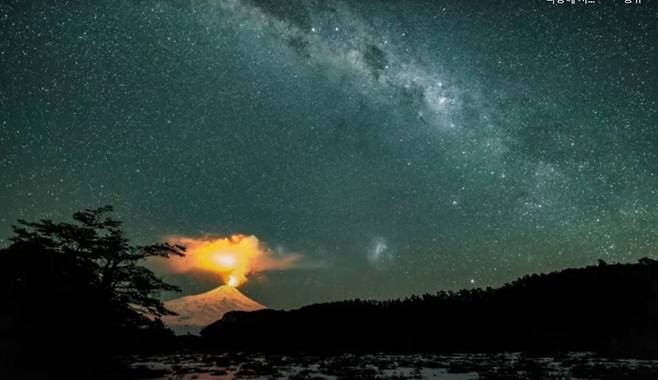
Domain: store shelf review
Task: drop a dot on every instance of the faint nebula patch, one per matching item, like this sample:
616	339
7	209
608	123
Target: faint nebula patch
379	253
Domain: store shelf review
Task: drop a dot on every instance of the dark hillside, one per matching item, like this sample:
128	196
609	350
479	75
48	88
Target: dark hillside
610	309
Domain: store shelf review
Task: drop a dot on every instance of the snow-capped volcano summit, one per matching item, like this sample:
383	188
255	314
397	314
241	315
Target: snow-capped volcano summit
197	311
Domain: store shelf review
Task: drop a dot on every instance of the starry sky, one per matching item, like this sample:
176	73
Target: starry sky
398	147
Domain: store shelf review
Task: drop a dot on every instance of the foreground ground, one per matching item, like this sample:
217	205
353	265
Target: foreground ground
513	366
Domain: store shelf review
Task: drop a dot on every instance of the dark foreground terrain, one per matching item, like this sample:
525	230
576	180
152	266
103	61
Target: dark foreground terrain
511	366
611	309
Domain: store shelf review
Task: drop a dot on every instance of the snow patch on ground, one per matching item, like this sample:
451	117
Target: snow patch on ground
512	366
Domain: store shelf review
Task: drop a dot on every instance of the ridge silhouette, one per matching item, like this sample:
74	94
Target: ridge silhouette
609	308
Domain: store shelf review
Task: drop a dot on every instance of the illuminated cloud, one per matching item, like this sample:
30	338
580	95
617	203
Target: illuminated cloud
233	257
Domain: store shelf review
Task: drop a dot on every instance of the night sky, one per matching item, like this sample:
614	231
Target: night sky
399	147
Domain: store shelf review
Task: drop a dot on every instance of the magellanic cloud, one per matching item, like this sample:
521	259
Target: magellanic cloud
233	257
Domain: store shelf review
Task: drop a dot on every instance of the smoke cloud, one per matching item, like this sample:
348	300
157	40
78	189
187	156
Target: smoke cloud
233	257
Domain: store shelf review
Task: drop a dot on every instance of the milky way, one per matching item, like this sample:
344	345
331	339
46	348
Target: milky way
400	147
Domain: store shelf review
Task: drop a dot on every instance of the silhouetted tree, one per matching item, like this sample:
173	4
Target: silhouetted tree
97	244
79	287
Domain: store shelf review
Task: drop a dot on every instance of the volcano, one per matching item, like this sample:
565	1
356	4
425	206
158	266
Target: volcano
198	311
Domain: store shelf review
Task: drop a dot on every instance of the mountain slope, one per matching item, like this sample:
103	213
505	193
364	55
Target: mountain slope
199	310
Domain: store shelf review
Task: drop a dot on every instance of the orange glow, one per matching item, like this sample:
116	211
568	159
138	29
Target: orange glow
233	281
233	257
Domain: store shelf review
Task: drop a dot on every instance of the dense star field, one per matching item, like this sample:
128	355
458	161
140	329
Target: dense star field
398	147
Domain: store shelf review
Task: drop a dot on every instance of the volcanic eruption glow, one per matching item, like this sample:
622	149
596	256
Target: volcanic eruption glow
233	257
233	281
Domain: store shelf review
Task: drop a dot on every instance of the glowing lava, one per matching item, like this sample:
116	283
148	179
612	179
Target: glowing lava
233	281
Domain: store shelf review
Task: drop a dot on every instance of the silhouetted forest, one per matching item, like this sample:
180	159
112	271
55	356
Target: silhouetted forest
610	309
74	295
